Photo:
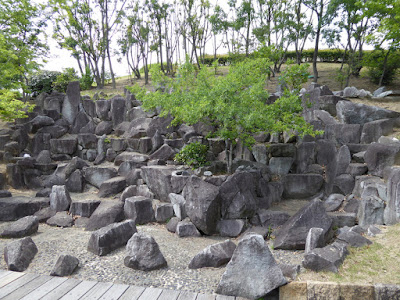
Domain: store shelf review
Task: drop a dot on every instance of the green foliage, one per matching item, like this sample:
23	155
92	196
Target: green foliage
62	80
11	108
86	80
194	155
294	76
375	62
42	81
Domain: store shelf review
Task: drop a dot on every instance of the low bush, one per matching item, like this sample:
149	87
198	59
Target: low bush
42	82
193	155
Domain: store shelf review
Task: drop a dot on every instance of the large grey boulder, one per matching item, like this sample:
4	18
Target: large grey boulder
61	219
301	186
71	102
112	186
328	258
231	228
103	109
133	157
379	156
40	121
292	235
139	209
178	204
392	209
97	175
83	208
371	211
163	212
186	228
65	265
214	255
238	196
333	202
315	239
372	131
23	227
65	145
165	152
19	254
111	237
117	111
270	218
357	113
353	239
143	253
158	179
59	198
106	213
343	134
202	204
252	272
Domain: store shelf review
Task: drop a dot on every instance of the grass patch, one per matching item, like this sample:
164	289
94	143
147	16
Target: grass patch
377	263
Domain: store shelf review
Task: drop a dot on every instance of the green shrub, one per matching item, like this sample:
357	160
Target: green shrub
194	155
42	82
375	63
11	108
62	80
87	79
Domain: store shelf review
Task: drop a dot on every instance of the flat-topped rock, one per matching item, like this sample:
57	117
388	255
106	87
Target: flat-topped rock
14	208
23	227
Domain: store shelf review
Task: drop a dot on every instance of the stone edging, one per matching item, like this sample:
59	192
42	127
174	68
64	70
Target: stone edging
313	290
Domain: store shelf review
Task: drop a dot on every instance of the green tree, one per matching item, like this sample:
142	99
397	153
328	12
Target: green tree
235	104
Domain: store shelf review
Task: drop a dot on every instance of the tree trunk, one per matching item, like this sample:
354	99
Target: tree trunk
384	67
315	56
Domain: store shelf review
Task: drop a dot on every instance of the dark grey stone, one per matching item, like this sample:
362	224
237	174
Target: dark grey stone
372	131
178	204
41	121
163	212
343	160
97	175
290	271
87	140
59	198
270	218
44	157
19	254
165	152
357	113
158	179
343	184
280	165
292	235
111	237
143	253
353	239
343	133
315	239
71	102
75	183
44	214
61	219
106	213
305	156
230	228
23	227
65	265
333	202
133	157
112	186
117	110
139	209
342	219
379	156
14	208
83	208
171	225
202	204
15	176
357	169
328	258
215	255
301	186
5	194
64	145
253	258
186	228
103	109
371	211
104	127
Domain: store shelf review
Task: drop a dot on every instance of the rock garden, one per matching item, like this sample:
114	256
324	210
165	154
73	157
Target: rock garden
91	190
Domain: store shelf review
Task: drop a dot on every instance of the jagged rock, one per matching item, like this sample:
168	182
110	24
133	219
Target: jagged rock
178	204
343	134
343	184
315	239
44	157
343	160
379	156
357	113
300	186
163	212
372	131
117	110
353	239
111	237
44	214
280	165
252	272
59	198
172	224
103	109
71	102
357	169
61	219
186	228
97	175
23	227
158	179
371	211
131	157
305	156
202	204
112	186
328	258
214	255
41	121
293	234
333	202
14	208
290	271
83	208
139	209
342	219
87	140
66	145
75	183
104	127
143	253
106	213
230	228
19	254
270	218
65	265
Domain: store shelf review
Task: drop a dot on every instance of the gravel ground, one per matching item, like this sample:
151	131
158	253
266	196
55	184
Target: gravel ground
53	241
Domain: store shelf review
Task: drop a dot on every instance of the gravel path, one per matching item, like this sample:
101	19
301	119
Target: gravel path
53	241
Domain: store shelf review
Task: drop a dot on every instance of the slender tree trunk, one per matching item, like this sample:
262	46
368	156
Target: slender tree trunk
384	67
315	56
